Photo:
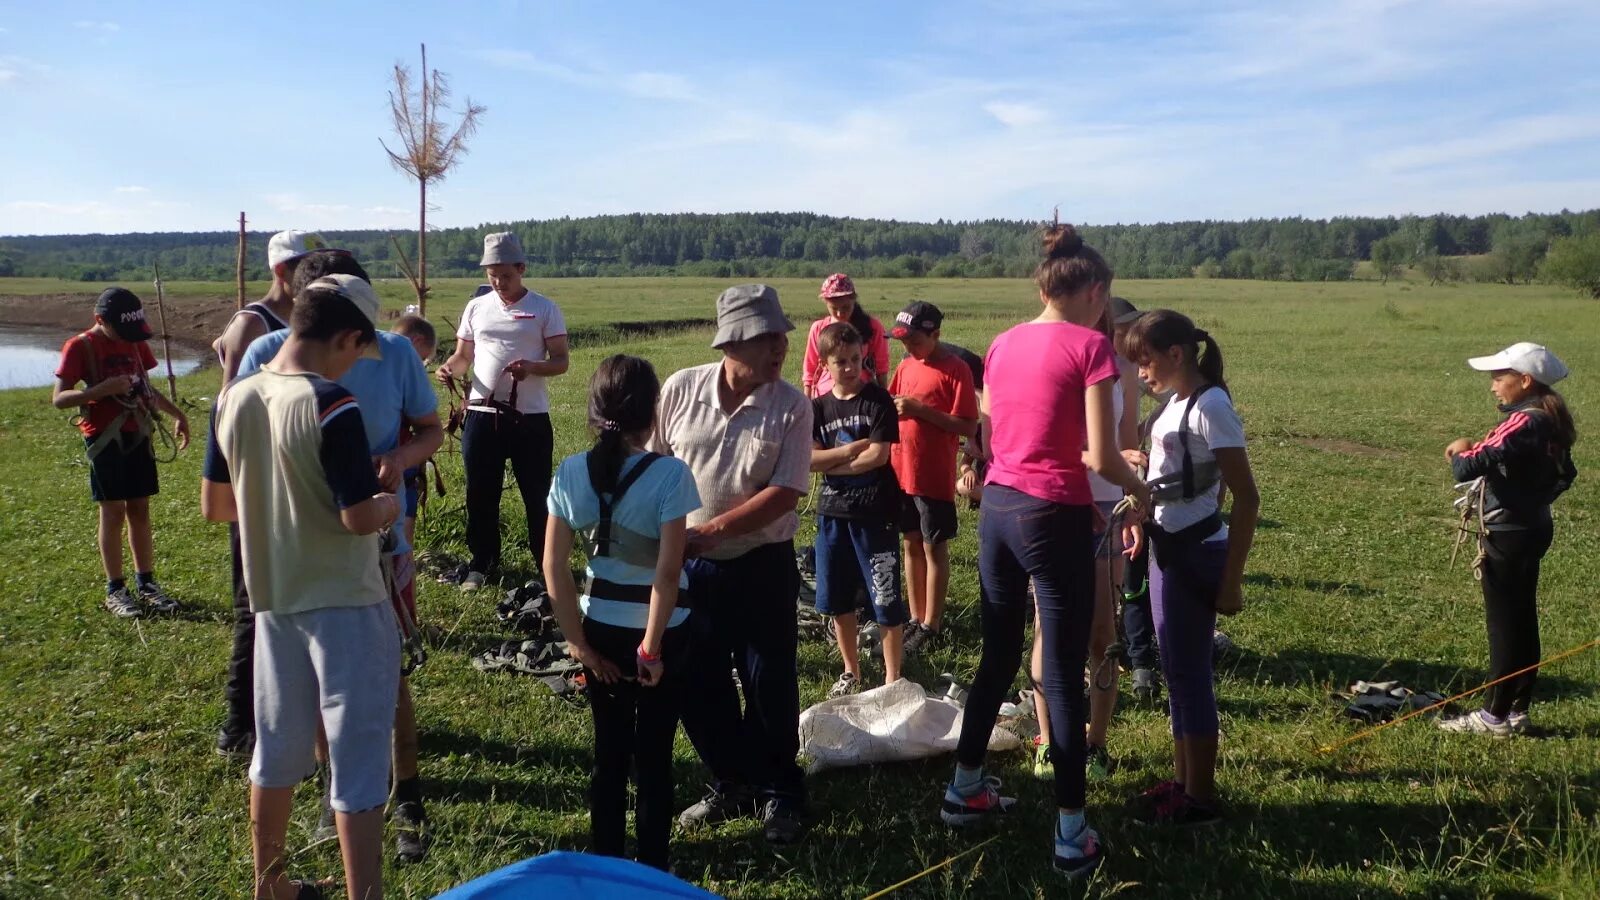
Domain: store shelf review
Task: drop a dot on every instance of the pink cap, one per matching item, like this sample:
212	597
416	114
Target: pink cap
838	285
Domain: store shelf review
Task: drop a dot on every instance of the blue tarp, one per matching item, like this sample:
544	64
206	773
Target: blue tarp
575	875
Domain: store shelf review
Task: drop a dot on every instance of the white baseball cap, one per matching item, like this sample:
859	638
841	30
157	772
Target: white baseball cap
288	245
357	291
1527	358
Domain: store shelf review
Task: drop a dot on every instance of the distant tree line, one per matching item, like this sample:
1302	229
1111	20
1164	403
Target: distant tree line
1498	248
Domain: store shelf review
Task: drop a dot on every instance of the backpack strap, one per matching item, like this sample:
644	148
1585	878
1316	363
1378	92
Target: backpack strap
602	528
1189	491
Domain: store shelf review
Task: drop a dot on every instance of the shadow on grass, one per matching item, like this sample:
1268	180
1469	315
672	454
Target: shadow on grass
1314	585
1311	667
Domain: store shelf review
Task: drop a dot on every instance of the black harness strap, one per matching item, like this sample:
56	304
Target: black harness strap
602	529
1183	441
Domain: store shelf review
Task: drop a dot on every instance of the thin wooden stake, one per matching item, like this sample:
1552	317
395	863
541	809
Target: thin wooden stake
166	341
238	302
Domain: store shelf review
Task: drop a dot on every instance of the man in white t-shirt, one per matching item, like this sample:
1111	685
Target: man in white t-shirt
511	339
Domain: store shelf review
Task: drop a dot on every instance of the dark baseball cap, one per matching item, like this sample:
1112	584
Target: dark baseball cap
919	315
1123	312
121	309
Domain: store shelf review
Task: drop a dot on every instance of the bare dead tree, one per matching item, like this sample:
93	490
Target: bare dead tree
427	151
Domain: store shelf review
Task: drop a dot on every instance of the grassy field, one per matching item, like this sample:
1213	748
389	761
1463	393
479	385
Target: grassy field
109	787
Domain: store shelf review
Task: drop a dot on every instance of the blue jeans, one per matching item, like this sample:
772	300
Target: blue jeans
744	618
1022	537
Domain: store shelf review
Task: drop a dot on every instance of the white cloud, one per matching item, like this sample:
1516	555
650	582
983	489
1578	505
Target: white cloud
1016	115
1496	140
660	86
295	205
645	85
92	25
132	189
523	61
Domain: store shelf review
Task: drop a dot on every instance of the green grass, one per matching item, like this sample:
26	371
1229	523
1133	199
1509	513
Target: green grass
108	786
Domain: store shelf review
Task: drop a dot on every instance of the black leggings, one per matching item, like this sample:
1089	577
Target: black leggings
1022	537
633	731
1510	587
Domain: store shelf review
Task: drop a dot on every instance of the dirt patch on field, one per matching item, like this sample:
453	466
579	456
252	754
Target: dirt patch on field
1345	447
193	322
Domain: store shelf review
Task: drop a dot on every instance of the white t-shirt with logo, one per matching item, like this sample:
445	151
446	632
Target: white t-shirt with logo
1213	424
502	333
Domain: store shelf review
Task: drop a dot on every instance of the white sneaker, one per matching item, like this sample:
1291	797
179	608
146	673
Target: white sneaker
1475	722
1519	723
847	684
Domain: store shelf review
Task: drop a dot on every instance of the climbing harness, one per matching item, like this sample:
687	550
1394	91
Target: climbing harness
414	651
135	405
608	539
1470	503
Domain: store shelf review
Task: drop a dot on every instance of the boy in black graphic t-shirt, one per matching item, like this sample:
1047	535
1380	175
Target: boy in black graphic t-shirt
858	547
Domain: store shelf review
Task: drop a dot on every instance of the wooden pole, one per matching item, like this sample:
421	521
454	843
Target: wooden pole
238	302
166	342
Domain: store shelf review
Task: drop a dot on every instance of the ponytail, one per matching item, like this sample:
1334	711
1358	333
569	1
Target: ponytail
1555	407
862	323
622	405
1208	359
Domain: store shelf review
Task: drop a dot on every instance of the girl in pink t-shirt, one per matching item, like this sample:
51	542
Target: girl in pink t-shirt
839	293
1047	389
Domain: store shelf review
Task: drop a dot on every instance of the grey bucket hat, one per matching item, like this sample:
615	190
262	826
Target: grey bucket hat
502	247
747	311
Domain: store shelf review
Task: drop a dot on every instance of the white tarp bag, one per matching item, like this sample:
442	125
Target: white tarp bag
892	723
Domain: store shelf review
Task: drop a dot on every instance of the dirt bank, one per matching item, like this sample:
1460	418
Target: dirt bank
193	322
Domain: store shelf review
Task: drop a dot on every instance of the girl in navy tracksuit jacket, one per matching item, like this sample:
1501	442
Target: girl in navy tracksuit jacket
1525	462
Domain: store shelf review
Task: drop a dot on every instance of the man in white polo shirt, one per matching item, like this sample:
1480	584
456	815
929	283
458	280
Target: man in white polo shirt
511	339
745	433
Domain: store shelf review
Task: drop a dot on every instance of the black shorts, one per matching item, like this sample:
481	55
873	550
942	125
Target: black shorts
124	470
934	520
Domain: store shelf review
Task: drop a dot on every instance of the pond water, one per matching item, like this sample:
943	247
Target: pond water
28	356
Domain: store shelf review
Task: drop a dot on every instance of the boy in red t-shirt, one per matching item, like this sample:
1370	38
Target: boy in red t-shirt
118	406
938	407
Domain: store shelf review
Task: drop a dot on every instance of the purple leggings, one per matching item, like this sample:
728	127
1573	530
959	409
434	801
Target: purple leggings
1183	593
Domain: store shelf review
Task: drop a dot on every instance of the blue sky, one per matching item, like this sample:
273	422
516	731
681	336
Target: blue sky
160	116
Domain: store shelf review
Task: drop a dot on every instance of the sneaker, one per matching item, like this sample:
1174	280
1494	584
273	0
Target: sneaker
1519	722
1477	722
1080	855
781	822
453	575
472	581
236	745
410	832
154	597
327	825
723	803
1146	804
848	683
919	639
1177	809
122	604
1220	643
1098	764
1146	687
964	810
1042	766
